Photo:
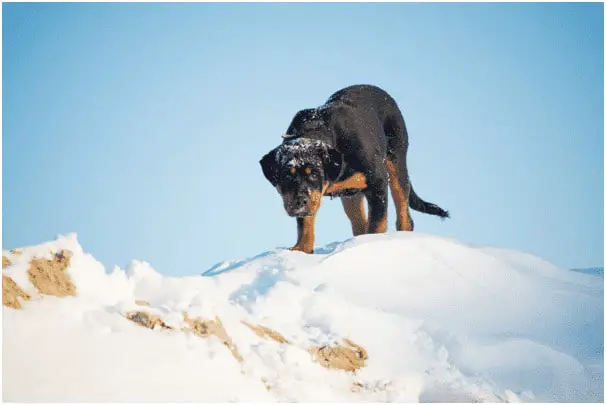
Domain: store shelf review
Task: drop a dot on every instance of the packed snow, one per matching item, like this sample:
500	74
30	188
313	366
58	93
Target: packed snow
439	320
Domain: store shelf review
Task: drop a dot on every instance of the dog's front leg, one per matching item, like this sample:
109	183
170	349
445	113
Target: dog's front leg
305	234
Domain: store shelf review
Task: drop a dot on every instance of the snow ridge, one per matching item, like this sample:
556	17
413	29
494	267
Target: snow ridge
414	317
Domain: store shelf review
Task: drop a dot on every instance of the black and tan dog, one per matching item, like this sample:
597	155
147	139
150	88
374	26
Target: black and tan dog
351	147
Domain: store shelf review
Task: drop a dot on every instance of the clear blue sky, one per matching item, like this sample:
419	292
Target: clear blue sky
140	126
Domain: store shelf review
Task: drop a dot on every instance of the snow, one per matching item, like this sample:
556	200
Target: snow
295	152
439	319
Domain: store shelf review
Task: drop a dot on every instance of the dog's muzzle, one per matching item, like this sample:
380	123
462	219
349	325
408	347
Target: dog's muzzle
297	206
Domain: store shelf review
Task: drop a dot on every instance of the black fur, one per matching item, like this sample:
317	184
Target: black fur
355	131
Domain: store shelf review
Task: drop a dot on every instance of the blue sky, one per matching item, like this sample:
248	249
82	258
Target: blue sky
140	126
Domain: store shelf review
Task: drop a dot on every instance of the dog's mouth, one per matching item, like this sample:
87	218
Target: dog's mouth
297	205
298	212
303	204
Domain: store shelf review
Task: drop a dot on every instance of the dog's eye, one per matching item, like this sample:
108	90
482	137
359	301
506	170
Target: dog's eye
292	170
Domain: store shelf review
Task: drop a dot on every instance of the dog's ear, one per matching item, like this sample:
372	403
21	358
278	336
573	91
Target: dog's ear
333	163
270	167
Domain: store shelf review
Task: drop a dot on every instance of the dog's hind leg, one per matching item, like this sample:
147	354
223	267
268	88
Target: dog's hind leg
397	148
400	191
354	209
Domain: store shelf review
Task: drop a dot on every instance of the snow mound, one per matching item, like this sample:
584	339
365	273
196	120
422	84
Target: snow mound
402	317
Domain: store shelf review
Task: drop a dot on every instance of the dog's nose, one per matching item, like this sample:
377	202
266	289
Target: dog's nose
301	201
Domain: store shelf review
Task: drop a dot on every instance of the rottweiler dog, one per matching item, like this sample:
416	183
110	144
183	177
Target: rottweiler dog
353	146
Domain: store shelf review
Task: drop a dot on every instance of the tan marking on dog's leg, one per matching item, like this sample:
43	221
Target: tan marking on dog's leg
354	209
380	226
305	225
355	182
305	234
400	199
314	202
377	213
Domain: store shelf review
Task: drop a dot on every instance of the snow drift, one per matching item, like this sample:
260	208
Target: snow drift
401	317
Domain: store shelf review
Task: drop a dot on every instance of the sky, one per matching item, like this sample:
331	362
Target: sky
141	126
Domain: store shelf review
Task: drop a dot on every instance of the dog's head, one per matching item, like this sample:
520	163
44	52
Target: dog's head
300	170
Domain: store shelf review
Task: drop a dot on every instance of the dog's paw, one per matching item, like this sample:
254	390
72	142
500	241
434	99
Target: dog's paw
303	249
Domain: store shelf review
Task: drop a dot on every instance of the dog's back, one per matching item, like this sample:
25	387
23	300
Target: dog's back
364	104
365	96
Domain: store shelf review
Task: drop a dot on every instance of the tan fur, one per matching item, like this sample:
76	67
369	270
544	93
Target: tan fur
381	226
400	199
305	237
376	225
355	182
314	202
5	261
354	209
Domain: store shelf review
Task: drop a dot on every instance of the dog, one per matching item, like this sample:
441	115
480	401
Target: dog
353	147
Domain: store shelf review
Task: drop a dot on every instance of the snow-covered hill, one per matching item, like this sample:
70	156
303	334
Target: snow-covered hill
393	317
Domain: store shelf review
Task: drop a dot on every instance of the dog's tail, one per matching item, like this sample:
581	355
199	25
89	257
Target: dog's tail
416	203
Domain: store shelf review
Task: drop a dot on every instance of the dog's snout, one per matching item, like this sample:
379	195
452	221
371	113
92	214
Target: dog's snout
301	201
297	204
